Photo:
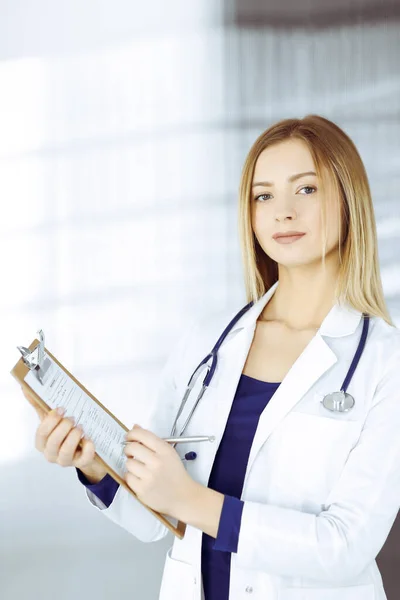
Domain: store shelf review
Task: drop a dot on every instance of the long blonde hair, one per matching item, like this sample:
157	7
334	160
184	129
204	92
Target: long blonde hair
339	165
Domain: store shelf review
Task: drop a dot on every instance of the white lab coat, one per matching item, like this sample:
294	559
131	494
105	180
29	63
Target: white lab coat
321	490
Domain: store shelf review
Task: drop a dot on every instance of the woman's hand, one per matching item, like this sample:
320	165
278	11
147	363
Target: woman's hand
58	439
155	472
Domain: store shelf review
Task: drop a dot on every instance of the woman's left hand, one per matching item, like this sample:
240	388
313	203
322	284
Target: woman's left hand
155	472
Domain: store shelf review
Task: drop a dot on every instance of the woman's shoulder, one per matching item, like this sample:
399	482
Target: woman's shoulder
202	331
211	324
385	353
385	334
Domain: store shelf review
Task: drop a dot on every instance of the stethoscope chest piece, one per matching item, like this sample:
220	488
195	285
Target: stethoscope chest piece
338	401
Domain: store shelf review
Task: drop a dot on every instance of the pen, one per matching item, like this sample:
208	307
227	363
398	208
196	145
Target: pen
193	438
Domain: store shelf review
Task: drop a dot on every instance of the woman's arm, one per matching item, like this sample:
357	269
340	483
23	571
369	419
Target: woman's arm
118	504
203	509
218	515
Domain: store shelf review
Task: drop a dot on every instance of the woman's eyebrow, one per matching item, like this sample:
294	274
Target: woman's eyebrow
290	179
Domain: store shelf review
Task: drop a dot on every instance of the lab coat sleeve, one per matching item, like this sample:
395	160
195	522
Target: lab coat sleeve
338	543
105	489
229	525
125	510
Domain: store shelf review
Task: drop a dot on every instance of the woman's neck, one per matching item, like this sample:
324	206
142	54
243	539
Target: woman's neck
300	305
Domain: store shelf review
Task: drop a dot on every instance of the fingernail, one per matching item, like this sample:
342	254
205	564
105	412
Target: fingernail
60	410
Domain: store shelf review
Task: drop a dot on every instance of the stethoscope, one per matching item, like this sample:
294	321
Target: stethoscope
339	401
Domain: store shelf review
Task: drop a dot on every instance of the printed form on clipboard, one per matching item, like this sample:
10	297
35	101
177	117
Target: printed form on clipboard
52	386
58	389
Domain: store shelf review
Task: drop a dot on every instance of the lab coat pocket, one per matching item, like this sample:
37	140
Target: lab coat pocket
351	592
312	451
178	580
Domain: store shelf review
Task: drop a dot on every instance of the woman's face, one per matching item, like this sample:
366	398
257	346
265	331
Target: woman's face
279	204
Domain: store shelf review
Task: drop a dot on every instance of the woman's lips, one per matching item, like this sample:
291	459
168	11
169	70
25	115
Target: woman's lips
289	239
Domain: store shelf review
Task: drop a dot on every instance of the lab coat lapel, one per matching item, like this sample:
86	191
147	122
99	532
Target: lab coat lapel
314	361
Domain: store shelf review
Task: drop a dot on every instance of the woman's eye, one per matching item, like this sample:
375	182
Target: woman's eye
305	187
308	187
261	196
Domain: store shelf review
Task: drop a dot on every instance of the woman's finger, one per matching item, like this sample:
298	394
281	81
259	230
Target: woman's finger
84	456
140	452
136	468
56	438
69	446
49	423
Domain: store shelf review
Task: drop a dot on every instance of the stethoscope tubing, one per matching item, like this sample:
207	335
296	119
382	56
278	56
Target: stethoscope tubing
213	355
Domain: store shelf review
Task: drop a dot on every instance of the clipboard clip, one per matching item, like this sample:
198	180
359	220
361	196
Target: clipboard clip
35	360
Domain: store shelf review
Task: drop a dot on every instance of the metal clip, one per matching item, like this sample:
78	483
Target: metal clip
35	359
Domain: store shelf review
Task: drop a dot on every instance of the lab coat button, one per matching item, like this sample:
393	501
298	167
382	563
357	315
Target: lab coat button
249	589
195	580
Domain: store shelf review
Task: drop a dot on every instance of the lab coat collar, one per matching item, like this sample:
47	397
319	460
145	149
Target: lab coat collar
341	320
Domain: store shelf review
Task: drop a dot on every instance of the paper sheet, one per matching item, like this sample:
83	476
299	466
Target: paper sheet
59	389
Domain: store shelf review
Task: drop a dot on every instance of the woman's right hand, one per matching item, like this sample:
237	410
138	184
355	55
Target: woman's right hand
58	438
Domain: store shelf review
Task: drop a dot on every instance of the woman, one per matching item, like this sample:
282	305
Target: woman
293	500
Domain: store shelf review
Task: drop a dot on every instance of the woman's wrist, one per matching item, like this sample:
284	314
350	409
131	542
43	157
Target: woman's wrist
202	509
94	473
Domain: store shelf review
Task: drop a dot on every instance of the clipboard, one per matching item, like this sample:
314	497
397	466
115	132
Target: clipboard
39	371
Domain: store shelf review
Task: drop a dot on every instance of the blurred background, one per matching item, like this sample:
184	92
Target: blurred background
123	129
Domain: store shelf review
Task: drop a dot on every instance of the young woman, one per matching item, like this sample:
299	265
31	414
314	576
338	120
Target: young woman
299	491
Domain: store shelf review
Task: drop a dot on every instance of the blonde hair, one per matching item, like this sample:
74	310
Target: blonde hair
339	166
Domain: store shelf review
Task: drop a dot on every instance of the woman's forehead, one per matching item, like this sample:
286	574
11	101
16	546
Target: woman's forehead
284	160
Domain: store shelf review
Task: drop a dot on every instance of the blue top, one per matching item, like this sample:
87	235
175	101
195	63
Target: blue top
227	477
